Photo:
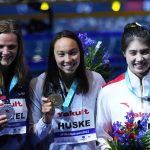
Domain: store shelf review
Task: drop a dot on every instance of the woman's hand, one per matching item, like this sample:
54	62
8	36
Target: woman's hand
3	121
48	110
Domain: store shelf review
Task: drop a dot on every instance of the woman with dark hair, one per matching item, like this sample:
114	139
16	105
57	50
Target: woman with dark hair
130	92
64	97
14	84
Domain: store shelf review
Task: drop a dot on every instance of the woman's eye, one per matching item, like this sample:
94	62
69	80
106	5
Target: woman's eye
13	46
61	55
132	53
10	47
74	53
1	46
145	52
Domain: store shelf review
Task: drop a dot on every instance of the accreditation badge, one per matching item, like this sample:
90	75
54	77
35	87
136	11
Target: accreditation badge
7	110
77	125
56	100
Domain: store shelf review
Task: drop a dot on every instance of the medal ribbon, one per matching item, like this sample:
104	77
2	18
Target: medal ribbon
4	98
128	83
13	82
70	95
7	108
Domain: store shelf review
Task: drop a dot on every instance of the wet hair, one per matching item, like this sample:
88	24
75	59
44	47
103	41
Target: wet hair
134	31
52	75
18	66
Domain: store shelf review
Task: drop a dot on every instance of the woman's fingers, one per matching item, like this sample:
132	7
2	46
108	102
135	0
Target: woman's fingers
3	118
48	110
47	106
3	121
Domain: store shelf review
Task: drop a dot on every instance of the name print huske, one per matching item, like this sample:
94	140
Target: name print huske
76	124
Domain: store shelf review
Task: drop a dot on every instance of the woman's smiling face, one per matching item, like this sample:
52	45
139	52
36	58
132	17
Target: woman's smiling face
67	55
8	48
137	56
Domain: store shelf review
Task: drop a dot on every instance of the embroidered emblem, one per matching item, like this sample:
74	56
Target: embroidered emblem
126	104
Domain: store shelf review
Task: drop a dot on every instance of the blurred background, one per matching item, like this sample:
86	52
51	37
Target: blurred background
102	20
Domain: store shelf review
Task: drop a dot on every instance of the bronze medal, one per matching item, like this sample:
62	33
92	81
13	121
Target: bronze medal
56	100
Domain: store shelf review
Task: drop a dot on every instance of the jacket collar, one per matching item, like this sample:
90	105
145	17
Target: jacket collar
136	84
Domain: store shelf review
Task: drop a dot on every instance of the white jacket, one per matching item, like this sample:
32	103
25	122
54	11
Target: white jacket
118	97
81	105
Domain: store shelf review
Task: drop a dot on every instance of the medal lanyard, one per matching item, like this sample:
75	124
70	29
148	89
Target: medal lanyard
128	83
70	94
12	84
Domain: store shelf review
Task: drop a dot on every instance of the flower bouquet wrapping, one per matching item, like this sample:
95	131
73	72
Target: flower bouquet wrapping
132	135
96	57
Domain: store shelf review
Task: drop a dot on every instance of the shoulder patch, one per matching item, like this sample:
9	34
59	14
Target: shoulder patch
117	79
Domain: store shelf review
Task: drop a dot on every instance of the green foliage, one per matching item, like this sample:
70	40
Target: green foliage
96	57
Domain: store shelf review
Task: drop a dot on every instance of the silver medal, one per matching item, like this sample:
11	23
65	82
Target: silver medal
7	110
56	100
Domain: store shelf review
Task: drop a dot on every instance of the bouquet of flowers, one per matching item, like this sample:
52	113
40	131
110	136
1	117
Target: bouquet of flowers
96	57
131	136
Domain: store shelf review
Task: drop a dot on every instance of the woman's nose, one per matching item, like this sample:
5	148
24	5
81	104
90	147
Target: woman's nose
5	50
139	57
67	58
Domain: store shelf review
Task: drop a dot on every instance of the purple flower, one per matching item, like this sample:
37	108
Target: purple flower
86	42
132	135
96	58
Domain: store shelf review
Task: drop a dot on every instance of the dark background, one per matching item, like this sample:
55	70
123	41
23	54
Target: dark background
95	18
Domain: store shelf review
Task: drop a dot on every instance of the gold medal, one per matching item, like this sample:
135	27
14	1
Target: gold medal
56	100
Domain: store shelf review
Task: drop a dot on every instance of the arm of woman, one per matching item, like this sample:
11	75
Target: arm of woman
103	122
39	120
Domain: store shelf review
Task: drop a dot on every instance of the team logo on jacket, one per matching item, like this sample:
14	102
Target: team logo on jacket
126	104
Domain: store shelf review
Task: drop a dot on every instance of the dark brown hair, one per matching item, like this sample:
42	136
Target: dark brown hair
52	75
135	31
